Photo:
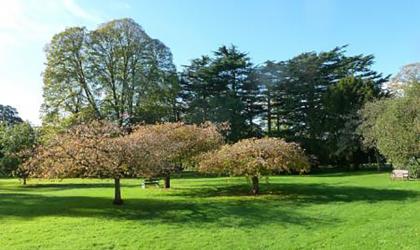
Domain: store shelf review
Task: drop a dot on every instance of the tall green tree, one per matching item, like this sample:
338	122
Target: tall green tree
393	126
222	88
303	87
115	72
14	140
269	78
342	104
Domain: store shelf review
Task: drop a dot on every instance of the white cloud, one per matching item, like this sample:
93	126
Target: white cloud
73	8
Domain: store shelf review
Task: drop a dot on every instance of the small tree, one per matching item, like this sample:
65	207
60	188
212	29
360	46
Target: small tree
16	144
98	149
163	148
254	158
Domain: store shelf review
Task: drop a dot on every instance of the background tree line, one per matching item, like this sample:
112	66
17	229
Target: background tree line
119	73
313	98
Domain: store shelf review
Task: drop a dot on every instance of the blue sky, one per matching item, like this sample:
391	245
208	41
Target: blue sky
266	29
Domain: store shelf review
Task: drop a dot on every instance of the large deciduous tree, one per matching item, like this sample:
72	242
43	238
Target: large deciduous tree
254	158
115	72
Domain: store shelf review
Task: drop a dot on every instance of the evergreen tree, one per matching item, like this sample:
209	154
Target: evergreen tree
222	89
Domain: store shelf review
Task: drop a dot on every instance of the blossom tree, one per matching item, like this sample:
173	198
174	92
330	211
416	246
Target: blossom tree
163	148
98	149
254	158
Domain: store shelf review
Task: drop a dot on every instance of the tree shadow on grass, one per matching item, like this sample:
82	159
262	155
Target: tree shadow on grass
304	193
57	186
233	213
227	205
348	173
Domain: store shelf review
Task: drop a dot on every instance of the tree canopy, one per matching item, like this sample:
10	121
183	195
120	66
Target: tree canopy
165	148
16	144
95	149
393	126
101	149
9	115
222	89
254	158
115	72
119	73
313	96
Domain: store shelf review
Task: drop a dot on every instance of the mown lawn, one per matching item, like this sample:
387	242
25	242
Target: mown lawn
336	211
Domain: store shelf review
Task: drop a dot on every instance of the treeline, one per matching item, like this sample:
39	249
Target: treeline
313	98
117	72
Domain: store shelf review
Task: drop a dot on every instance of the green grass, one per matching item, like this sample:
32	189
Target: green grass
335	211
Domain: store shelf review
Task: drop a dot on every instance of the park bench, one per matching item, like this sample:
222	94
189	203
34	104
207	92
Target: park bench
399	174
150	181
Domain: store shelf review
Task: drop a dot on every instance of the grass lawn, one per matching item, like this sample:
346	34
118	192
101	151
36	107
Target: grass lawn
335	211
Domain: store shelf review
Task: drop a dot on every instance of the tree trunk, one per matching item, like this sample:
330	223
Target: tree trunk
378	161
269	115
167	181
24	180
255	186
117	197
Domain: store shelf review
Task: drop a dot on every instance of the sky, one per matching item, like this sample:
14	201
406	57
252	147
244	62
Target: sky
266	29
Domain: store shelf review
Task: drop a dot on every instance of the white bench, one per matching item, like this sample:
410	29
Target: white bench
399	174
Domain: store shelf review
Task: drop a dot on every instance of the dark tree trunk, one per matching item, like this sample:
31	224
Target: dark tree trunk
269	115
24	180
255	186
117	197
378	161
167	181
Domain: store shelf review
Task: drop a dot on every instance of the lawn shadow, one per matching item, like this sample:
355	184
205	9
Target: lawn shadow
348	173
57	186
304	193
227	205
233	213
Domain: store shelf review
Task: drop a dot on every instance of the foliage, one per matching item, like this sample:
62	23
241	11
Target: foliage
96	149
393	126
86	150
313	98
342	104
101	149
9	115
222	89
254	158
162	149
15	141
115	72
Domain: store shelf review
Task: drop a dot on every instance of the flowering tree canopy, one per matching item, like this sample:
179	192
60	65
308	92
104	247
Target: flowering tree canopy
101	149
254	158
97	149
162	148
